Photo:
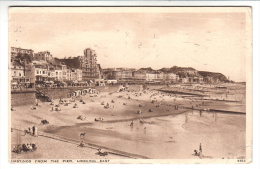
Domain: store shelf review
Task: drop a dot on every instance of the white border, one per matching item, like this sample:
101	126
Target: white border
4	76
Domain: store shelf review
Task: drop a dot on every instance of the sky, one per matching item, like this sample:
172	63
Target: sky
205	40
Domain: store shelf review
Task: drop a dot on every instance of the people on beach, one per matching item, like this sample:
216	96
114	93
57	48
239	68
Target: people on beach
75	105
33	130
200	113
186	118
139	111
99	119
61	100
81	144
101	153
196	153
141	120
44	122
29	147
12	108
132	123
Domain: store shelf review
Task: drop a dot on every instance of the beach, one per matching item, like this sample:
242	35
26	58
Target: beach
170	126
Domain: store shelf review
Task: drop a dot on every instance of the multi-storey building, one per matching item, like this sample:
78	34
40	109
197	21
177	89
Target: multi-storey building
139	77
51	73
64	72
69	75
21	68
41	72
18	78
108	73
170	77
45	55
15	51
17	69
79	75
151	77
58	73
91	71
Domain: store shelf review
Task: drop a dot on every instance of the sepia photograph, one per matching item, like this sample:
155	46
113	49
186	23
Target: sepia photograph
130	85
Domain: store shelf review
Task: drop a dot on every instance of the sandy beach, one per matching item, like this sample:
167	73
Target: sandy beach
163	132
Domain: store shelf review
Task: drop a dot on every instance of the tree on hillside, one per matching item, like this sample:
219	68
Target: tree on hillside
23	57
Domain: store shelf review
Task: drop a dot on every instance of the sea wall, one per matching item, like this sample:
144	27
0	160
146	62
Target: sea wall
23	97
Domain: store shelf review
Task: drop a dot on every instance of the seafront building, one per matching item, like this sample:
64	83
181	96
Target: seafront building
29	69
91	70
43	68
21	69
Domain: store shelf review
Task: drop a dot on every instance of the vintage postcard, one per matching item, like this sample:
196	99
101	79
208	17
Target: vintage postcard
130	85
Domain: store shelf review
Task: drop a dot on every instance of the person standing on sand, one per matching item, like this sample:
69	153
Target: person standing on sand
33	130
132	123
200	149
29	130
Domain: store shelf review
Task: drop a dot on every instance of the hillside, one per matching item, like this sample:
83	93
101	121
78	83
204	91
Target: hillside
188	72
215	75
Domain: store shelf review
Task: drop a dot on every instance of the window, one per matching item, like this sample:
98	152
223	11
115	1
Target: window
43	72
20	74
40	72
37	71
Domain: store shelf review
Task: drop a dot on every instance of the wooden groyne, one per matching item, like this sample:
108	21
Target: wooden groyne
183	93
216	110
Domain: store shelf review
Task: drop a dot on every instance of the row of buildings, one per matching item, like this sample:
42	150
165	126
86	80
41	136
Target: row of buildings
29	69
162	76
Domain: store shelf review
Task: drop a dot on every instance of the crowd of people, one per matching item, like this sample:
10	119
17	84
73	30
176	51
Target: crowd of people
31	131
